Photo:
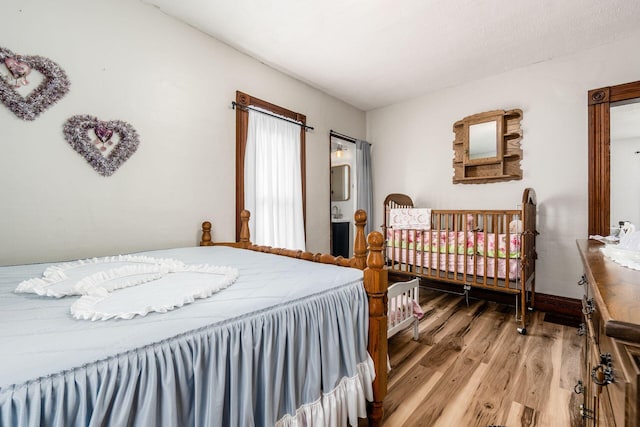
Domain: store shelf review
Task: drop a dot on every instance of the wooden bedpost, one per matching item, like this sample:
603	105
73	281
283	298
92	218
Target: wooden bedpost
375	283
245	237
359	259
206	234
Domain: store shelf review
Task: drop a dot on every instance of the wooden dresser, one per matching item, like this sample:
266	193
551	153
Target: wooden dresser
611	353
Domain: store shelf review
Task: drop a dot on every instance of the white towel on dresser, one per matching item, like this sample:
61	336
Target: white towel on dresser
410	218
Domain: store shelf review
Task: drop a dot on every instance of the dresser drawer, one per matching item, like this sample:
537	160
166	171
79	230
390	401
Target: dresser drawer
623	391
608	377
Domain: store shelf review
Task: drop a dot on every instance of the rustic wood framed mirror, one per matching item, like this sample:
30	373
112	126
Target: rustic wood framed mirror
487	147
483	139
600	102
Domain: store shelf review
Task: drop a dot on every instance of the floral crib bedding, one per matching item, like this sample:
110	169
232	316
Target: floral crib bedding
448	242
477	255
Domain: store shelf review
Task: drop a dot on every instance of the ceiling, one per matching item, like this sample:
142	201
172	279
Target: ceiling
374	53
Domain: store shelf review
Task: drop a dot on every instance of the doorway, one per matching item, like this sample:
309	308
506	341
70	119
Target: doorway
343	193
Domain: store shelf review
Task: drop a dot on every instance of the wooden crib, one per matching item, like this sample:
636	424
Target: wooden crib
488	249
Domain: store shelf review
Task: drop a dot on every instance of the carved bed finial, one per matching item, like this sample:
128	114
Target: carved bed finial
206	234
375	258
359	244
245	235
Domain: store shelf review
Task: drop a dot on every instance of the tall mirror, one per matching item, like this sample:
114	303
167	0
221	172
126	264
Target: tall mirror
611	191
624	155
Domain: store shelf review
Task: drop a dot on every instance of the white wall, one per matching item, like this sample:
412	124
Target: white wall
412	149
128	61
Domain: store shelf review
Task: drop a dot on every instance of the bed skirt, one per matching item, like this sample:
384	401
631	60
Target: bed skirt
301	364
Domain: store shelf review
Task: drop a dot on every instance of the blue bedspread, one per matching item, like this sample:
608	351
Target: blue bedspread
285	333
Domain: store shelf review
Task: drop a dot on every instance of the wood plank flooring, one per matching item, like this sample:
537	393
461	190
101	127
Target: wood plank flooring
471	368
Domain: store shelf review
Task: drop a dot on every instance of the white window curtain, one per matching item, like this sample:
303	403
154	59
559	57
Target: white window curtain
273	182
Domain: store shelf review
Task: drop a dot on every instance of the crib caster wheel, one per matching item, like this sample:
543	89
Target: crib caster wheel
522	331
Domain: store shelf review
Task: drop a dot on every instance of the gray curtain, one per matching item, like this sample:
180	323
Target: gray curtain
364	185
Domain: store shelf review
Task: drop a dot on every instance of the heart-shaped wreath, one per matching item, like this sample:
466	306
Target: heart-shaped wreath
96	152
54	86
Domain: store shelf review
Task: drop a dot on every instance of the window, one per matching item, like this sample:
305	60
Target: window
244	189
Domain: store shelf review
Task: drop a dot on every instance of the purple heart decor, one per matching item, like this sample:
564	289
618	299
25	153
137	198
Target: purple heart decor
54	86
76	132
103	133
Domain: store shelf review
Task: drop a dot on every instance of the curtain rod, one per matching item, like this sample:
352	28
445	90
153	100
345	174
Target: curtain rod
342	136
234	104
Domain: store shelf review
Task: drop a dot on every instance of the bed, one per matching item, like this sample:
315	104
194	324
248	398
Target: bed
487	249
253	353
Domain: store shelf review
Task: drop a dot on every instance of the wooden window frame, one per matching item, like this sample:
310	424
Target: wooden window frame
242	121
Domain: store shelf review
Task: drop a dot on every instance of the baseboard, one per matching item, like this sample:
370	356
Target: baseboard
552	304
559	305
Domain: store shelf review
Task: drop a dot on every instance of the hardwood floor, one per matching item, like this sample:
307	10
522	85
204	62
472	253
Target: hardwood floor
470	367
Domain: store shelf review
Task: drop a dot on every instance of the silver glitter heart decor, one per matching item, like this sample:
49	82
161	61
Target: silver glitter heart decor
54	86
113	141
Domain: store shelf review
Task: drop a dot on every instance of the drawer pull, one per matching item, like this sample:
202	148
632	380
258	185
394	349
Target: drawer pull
578	388
582	329
588	306
582	281
603	373
586	414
